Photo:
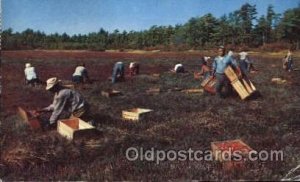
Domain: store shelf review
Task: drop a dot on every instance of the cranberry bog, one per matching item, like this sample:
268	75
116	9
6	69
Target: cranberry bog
178	121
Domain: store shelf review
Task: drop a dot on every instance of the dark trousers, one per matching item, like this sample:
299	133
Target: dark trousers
32	82
77	79
222	81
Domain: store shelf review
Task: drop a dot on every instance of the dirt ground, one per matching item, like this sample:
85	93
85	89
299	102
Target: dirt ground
179	120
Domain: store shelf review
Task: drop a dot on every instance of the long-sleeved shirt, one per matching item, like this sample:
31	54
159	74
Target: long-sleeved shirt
67	100
30	73
220	63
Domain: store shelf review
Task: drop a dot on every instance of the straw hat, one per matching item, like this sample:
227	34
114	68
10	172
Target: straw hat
52	82
27	65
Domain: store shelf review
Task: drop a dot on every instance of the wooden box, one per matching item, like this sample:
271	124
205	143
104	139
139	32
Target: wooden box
244	88
75	128
278	80
70	86
193	91
153	91
209	84
135	114
230	73
29	118
110	93
229	146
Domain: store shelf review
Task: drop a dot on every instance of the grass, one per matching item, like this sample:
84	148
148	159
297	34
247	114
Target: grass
179	121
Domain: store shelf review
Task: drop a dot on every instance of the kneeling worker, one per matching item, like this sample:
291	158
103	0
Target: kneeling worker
118	72
66	103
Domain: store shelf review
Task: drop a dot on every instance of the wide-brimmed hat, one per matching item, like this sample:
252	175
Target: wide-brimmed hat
51	82
27	65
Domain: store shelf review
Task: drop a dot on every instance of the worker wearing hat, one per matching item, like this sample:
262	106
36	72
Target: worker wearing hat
30	75
219	65
66	103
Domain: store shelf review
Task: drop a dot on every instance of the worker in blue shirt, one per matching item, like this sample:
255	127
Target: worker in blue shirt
219	65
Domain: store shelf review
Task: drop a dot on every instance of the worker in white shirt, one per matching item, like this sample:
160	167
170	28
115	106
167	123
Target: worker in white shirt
30	75
80	75
179	68
134	68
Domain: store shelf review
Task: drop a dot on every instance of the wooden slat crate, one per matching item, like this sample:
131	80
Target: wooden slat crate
209	84
230	73
153	91
110	93
193	91
229	145
241	90
75	128
29	118
135	114
70	86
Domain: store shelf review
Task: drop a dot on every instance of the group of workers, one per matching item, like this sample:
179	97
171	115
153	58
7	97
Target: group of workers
70	103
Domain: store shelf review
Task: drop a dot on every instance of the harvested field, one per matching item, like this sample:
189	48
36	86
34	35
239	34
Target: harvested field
179	121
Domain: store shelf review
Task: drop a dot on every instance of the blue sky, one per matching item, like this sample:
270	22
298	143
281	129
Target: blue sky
84	16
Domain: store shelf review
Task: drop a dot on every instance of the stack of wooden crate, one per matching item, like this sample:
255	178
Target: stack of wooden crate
244	88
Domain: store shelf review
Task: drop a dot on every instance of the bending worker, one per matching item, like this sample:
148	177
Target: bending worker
66	103
118	72
80	75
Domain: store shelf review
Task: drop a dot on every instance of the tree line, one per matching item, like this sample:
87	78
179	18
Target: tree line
239	28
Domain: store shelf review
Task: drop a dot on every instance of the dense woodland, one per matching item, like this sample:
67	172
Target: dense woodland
239	28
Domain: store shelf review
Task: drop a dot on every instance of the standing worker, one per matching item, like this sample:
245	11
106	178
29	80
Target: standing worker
30	75
80	75
118	72
289	61
66	103
219	66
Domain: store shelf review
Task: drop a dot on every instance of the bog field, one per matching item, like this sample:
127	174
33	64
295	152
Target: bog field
179	121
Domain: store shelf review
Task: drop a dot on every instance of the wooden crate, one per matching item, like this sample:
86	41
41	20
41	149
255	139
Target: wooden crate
110	93
153	91
75	128
240	88
229	145
29	118
156	74
230	73
70	86
278	80
209	84
193	91
135	114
